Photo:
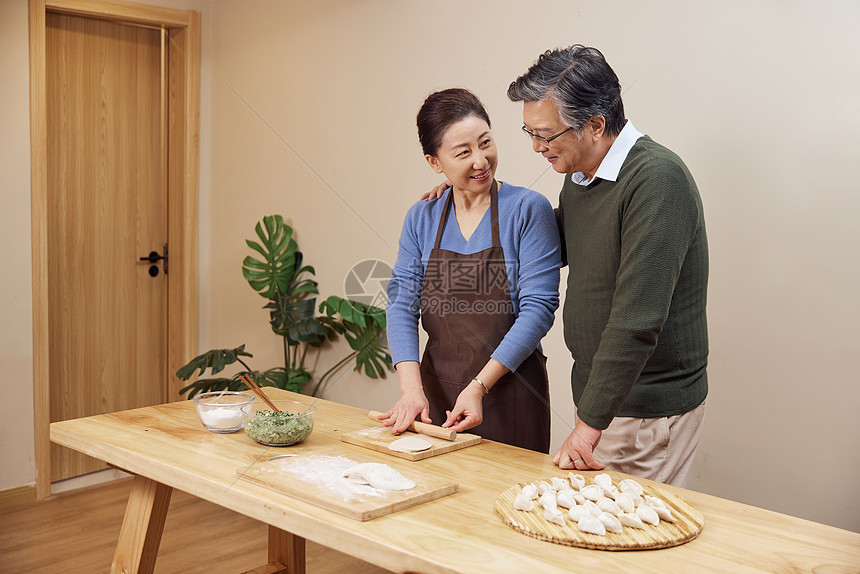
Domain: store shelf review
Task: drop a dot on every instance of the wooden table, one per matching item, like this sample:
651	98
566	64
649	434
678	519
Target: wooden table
166	447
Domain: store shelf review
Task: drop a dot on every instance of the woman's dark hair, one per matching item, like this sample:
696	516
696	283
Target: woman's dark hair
443	109
580	82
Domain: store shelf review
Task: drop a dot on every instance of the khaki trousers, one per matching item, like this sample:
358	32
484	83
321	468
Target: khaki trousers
660	449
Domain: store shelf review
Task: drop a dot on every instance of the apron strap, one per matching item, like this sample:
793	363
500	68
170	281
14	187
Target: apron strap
494	215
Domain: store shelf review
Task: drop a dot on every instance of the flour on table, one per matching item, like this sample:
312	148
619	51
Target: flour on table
327	473
410	444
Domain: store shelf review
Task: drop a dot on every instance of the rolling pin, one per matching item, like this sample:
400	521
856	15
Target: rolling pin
423	428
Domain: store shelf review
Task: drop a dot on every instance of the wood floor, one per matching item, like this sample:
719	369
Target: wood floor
75	533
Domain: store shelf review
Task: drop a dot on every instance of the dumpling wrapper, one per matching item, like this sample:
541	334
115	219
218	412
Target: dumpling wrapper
380	476
608	505
592	492
603	481
559	484
631	486
410	444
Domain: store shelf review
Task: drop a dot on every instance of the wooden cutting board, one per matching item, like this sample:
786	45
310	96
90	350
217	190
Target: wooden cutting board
379	438
318	479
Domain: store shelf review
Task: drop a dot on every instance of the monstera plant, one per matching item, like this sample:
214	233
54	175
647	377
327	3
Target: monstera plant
290	290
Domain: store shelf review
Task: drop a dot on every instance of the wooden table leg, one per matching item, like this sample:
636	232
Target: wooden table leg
142	526
287	549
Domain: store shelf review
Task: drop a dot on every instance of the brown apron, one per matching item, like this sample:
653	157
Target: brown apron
466	309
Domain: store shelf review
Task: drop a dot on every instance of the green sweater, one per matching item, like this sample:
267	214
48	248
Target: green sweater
634	312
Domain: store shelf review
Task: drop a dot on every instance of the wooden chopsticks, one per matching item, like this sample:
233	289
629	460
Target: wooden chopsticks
258	391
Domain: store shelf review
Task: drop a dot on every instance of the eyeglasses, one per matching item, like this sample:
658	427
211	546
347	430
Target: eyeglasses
546	141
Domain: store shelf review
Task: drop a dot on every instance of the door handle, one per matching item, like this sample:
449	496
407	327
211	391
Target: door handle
153	258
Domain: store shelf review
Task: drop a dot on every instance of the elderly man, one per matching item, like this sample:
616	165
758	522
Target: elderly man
633	233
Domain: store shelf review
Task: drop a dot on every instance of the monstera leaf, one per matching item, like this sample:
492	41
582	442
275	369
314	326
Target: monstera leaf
279	270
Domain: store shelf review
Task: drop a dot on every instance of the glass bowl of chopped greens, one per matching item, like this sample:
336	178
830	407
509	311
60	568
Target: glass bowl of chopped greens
291	425
221	411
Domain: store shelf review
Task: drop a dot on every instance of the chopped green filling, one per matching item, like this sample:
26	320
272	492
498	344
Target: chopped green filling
281	428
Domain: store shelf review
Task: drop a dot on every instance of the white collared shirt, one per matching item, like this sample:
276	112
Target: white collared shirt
611	164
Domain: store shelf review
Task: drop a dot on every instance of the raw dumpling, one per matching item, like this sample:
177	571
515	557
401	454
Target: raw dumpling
579	498
379	476
648	514
607	505
610	522
603	481
554	515
625	502
566	499
544	487
559	483
577	512
592	525
631	486
591	492
577	481
523	502
630	520
547	500
592	508
660	507
530	491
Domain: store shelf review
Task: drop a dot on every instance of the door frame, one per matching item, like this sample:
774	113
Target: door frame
183	126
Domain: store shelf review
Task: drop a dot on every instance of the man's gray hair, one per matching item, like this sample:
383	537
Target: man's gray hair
579	81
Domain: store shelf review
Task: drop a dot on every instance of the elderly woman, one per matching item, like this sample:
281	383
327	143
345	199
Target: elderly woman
480	267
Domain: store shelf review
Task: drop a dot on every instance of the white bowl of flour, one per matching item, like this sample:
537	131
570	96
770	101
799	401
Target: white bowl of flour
221	411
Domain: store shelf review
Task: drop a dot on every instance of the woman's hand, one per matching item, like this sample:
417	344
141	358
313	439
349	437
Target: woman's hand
468	411
577	452
437	191
412	403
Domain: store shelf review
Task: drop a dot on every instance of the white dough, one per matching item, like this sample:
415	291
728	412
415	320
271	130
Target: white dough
523	502
664	513
566	499
559	483
592	525
554	515
579	498
379	476
544	487
530	491
410	444
610	522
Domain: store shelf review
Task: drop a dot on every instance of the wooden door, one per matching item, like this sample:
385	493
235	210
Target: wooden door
107	207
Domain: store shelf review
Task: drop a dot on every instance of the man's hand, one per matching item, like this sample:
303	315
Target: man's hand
437	191
577	452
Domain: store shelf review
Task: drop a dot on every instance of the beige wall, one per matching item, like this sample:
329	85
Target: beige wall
312	116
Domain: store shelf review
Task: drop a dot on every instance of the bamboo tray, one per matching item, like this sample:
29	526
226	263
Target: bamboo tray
687	526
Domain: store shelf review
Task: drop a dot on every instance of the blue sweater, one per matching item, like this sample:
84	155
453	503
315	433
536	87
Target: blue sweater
530	241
